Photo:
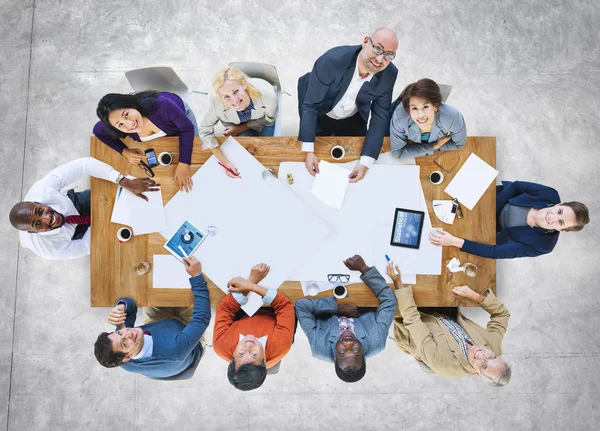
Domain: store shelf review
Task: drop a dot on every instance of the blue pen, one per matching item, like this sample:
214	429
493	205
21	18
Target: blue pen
388	259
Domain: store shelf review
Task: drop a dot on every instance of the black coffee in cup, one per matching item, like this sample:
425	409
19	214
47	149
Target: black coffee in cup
339	290
435	177
337	153
125	233
166	158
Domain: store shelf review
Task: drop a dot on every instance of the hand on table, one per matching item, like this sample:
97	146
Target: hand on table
259	272
183	178
312	164
396	278
348	310
192	266
356	263
134	155
445	239
358	173
117	316
465	292
139	185
234	169
235	130
441	142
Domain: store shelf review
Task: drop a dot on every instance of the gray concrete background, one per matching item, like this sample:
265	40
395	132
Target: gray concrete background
527	72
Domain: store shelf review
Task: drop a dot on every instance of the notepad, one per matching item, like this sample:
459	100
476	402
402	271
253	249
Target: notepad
143	216
471	181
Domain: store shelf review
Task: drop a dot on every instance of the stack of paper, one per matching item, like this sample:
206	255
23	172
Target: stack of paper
142	216
471	181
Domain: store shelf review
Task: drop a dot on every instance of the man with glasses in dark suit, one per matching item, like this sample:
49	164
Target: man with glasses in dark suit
346	86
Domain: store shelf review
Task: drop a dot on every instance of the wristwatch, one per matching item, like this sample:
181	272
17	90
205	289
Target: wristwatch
120	178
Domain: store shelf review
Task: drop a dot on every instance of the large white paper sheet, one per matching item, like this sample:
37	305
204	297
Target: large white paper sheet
368	204
256	220
168	272
330	185
471	181
143	216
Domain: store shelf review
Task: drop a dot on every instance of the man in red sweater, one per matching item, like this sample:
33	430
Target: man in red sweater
252	344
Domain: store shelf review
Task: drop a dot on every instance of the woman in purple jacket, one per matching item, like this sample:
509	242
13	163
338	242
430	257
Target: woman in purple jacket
145	116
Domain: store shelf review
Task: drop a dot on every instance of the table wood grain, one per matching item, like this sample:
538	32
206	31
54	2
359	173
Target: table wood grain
112	263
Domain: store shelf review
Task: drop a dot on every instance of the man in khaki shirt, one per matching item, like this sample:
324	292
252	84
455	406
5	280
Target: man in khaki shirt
452	346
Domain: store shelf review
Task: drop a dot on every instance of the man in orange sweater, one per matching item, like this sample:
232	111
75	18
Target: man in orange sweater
252	344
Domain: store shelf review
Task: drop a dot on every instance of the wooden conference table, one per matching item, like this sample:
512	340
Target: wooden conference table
113	276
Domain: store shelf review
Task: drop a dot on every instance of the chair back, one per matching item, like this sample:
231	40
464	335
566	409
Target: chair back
159	79
445	89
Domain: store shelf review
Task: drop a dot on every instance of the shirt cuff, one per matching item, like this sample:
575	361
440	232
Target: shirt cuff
308	147
239	297
366	161
269	297
112	176
122	302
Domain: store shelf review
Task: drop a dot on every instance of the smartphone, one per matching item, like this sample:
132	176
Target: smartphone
151	157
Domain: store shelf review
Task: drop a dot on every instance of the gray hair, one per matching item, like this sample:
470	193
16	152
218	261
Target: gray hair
502	379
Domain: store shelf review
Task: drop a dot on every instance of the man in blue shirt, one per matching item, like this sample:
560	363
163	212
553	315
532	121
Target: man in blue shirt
159	349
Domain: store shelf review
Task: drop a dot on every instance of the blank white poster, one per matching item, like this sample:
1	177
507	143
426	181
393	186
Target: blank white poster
168	272
256	221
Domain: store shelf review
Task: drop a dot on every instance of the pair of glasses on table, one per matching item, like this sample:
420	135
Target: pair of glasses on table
450	159
334	278
149	172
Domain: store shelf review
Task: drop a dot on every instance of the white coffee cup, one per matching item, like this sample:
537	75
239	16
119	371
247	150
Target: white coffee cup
340	291
433	174
124	234
339	151
160	160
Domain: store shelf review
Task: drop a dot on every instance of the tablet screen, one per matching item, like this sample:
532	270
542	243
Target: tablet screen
406	231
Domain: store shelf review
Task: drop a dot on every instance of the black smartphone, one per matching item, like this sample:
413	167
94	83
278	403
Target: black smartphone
151	157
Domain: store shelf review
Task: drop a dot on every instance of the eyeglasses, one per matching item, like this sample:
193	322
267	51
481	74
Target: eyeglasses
386	54
334	278
146	168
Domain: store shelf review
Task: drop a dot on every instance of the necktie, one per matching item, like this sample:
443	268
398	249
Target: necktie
147	333
76	219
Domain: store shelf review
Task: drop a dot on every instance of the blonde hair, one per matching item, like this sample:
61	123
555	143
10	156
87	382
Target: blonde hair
234	74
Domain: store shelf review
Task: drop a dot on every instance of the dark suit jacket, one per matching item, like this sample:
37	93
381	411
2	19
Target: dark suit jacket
320	90
521	241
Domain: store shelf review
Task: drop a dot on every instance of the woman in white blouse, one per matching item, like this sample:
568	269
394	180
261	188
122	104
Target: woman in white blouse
245	106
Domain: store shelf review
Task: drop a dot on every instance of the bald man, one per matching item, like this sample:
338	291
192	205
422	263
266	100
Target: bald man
54	225
347	84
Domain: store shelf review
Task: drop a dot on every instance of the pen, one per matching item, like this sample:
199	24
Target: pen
230	170
388	259
182	251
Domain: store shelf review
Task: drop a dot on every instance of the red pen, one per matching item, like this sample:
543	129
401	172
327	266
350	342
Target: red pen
230	170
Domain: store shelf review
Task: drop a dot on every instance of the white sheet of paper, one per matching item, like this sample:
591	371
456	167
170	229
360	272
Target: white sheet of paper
330	184
368	204
471	181
256	220
142	216
168	272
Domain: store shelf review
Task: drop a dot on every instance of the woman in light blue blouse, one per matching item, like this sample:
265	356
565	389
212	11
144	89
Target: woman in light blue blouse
422	124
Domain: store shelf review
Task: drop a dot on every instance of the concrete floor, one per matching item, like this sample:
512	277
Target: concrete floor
527	72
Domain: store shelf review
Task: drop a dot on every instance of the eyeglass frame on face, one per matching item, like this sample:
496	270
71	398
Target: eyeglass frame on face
334	278
389	56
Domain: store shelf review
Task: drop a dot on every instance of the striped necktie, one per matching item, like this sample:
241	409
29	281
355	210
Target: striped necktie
77	219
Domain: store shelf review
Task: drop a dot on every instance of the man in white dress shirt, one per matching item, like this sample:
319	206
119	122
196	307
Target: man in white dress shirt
346	86
54	225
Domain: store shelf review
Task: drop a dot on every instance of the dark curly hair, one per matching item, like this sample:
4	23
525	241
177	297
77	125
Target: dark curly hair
247	376
351	375
105	354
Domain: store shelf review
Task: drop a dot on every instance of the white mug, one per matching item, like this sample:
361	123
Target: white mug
121	236
340	295
342	149
160	156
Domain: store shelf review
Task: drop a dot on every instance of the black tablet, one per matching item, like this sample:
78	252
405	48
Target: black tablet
407	228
